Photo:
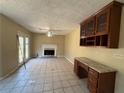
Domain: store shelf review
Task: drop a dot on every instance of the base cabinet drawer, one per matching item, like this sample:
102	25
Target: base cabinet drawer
93	73
75	66
92	89
93	82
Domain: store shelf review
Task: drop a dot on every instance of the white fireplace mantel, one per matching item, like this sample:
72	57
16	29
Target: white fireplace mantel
48	46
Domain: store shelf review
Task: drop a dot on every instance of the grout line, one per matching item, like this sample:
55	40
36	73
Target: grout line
46	64
69	60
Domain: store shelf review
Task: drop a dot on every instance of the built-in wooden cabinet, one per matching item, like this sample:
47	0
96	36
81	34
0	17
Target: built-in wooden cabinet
100	78
102	29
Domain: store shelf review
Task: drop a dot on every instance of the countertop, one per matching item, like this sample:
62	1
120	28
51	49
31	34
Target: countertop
95	65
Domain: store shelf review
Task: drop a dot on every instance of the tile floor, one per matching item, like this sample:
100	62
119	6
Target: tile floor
44	75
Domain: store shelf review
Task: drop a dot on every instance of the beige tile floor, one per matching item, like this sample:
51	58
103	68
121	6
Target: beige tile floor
45	75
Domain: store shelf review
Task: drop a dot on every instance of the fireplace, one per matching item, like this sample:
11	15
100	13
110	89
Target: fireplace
49	52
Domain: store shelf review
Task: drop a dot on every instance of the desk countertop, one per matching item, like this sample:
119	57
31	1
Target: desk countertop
95	65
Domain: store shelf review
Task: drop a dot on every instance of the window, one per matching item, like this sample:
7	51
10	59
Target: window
26	47
23	48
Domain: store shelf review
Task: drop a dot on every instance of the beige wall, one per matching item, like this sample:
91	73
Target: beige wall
9	44
40	39
103	55
0	43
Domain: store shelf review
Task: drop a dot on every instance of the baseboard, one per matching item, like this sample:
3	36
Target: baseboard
10	73
60	56
51	57
69	60
14	70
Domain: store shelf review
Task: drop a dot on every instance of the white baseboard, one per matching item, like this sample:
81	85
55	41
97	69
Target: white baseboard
7	75
60	56
69	60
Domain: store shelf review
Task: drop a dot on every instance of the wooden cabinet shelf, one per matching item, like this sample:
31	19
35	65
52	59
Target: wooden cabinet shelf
90	41
98	40
103	27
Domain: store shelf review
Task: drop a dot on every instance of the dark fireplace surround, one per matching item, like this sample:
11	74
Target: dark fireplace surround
49	52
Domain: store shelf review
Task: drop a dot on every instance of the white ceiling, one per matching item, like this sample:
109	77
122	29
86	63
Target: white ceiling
54	14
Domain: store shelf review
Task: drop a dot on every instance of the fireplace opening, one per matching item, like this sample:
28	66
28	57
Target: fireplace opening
49	52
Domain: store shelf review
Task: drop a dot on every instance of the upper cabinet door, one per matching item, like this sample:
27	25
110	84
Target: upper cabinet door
102	22
83	28
90	27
